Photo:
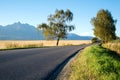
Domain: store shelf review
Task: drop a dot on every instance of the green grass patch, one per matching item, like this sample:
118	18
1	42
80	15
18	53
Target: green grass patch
96	63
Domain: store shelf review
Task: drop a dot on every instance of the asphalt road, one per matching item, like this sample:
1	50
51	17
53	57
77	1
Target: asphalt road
33	64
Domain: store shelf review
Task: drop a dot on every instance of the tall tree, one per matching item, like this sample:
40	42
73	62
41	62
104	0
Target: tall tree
104	26
59	25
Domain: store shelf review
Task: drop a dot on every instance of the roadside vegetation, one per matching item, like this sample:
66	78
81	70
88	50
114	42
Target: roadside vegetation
96	63
99	62
113	45
95	40
104	26
19	45
37	44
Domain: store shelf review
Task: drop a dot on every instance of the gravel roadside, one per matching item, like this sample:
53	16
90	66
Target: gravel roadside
64	74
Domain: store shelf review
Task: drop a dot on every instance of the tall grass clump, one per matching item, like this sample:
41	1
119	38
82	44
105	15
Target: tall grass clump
18	45
96	63
114	46
12	45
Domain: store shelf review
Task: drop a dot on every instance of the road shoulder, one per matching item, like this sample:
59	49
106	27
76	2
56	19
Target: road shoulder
64	74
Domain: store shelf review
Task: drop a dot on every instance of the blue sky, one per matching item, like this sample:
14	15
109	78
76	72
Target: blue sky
35	12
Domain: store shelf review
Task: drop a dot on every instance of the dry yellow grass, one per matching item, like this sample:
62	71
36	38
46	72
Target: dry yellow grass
114	46
19	43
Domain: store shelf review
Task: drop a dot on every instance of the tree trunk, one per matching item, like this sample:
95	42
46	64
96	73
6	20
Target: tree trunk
57	41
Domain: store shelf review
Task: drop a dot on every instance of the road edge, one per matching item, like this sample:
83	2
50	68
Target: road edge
64	74
55	73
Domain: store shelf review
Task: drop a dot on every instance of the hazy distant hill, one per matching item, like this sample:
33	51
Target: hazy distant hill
19	31
72	36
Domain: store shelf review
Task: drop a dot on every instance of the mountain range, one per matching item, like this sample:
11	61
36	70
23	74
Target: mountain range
20	31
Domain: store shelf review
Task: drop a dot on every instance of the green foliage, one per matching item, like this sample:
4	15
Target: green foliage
94	40
59	25
96	63
104	26
46	30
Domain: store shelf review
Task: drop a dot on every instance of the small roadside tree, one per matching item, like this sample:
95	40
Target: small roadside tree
59	25
104	26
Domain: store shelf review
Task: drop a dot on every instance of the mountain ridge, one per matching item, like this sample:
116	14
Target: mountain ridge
20	31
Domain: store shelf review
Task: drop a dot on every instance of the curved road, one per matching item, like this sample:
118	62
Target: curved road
33	64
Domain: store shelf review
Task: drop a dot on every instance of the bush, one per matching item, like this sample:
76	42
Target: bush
94	40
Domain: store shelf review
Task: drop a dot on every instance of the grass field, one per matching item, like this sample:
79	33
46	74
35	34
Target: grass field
96	63
41	43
